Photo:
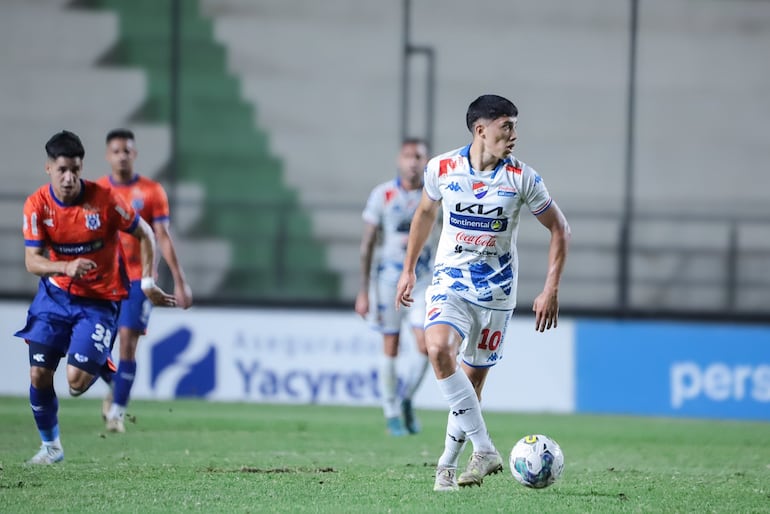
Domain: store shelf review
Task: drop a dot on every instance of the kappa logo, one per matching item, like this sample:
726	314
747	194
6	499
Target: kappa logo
460	412
454	186
80	358
181	367
38	357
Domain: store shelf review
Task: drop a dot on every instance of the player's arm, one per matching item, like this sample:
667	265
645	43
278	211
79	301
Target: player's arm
182	291
546	305
157	296
422	224
38	264
368	240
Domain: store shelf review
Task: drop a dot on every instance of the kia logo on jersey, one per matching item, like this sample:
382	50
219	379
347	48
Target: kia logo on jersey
480	189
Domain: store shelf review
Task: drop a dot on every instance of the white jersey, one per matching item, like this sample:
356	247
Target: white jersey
391	208
476	255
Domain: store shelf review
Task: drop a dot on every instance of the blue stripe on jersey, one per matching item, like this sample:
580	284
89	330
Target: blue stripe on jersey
33	243
544	208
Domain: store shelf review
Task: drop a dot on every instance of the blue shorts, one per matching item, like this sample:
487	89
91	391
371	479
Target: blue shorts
135	310
82	328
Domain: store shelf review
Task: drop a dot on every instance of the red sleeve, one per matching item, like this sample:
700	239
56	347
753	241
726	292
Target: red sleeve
160	211
32	225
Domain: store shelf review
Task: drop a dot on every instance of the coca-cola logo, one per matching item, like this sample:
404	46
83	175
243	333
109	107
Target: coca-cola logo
476	239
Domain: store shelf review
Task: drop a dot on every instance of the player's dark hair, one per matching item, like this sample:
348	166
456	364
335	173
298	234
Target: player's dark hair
415	141
64	144
489	107
119	133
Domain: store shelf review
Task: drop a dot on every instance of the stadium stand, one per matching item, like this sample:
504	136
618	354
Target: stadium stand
328	72
274	255
296	104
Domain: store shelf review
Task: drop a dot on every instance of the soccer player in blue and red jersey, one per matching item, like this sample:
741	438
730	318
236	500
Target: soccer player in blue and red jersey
150	202
71	241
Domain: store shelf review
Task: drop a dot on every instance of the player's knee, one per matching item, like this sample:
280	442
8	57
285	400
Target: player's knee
79	381
77	392
41	378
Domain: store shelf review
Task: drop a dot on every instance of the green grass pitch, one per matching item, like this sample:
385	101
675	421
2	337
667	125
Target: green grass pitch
219	457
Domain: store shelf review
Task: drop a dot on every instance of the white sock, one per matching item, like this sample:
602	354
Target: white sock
453	444
56	443
116	411
464	406
416	374
389	386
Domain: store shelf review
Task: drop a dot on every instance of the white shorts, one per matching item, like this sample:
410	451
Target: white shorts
482	329
388	320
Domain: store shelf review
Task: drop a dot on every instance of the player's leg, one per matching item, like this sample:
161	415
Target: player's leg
45	405
389	385
133	319
419	364
486	461
93	330
415	375
446	470
482	350
47	333
389	324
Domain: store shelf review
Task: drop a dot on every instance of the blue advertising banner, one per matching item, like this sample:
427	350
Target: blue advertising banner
673	369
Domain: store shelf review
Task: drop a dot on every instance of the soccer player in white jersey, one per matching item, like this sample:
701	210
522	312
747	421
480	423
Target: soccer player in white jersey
389	212
481	189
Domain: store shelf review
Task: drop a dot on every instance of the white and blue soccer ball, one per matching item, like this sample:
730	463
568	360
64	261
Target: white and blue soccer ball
536	461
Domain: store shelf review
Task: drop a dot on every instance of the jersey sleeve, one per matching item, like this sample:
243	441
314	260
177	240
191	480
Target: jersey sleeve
431	183
159	205
127	218
32	223
374	207
534	192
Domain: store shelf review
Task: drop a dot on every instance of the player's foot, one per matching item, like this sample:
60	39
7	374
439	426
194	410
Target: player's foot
106	404
446	479
48	454
479	466
395	427
116	425
410	422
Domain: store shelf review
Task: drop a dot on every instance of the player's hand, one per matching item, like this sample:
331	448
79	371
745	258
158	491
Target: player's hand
159	297
546	309
183	295
405	288
78	267
362	304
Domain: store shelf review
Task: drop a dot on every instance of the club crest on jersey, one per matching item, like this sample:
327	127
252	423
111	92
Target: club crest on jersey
137	203
480	189
92	221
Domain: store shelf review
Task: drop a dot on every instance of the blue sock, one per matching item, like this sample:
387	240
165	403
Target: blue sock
124	380
45	407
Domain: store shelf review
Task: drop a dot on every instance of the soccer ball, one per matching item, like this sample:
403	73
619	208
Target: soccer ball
536	461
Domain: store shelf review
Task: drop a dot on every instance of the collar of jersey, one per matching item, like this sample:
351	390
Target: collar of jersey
131	181
466	152
78	200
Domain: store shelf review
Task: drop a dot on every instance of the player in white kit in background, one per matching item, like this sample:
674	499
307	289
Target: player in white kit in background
388	214
481	189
